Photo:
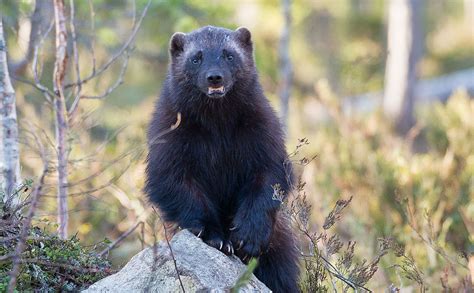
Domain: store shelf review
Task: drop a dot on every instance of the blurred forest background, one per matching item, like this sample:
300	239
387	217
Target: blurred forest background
415	185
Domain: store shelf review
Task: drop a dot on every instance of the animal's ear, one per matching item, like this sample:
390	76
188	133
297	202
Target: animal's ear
244	37
177	44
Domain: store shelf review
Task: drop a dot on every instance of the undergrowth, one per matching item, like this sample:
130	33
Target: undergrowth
411	206
47	263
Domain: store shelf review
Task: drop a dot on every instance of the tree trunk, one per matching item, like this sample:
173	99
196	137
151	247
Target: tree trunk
404	51
60	110
285	64
9	151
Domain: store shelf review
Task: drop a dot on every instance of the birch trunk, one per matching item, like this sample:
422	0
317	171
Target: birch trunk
285	64
61	115
9	150
404	51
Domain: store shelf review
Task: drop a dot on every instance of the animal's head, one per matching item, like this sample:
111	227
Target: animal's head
212	59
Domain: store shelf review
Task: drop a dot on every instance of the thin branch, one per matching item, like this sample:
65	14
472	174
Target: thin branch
105	185
37	23
102	170
92	18
61	265
72	27
410	214
121	238
25	228
124	48
46	92
154	140
171	251
331	268
118	82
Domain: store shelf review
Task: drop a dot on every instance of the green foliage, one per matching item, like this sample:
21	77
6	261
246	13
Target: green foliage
329	263
423	199
396	191
314	277
48	264
244	279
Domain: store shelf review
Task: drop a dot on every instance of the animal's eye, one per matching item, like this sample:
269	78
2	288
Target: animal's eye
229	57
196	60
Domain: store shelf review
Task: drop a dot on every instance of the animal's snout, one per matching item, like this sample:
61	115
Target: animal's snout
214	78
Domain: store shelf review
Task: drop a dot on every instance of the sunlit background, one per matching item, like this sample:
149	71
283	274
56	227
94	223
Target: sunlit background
417	188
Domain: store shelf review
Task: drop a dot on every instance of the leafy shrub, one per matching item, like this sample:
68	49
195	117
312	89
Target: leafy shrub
412	196
47	263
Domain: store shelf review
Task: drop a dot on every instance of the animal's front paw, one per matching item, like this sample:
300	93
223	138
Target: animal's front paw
219	243
251	236
212	238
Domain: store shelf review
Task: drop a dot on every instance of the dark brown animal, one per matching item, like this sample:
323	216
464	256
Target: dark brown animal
215	173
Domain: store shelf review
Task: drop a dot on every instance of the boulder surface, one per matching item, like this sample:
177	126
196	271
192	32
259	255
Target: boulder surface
201	269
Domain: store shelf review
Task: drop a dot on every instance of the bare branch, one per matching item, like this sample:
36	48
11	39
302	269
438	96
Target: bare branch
92	19
113	87
37	75
171	250
121	238
25	228
38	21
114	58
72	27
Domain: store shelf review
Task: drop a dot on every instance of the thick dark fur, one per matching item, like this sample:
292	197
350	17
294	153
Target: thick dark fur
214	174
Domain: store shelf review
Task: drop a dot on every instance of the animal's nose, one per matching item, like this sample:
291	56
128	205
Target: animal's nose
214	78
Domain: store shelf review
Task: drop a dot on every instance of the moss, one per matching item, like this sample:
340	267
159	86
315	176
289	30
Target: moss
48	263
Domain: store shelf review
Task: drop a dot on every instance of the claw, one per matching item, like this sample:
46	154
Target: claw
229	248
222	244
241	243
199	234
232	228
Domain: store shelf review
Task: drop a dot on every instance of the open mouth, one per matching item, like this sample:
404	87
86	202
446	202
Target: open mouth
215	91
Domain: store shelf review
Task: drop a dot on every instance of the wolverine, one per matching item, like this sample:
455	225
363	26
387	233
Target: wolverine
215	173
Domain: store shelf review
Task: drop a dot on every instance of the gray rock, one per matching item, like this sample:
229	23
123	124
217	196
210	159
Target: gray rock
201	268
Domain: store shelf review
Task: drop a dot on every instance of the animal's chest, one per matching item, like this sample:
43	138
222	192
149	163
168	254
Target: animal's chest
221	162
219	153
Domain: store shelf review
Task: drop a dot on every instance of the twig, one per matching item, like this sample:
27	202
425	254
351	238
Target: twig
61	265
92	18
411	222
103	169
125	47
24	230
118	82
332	269
120	157
46	92
142	233
37	23
75	56
121	238
171	251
